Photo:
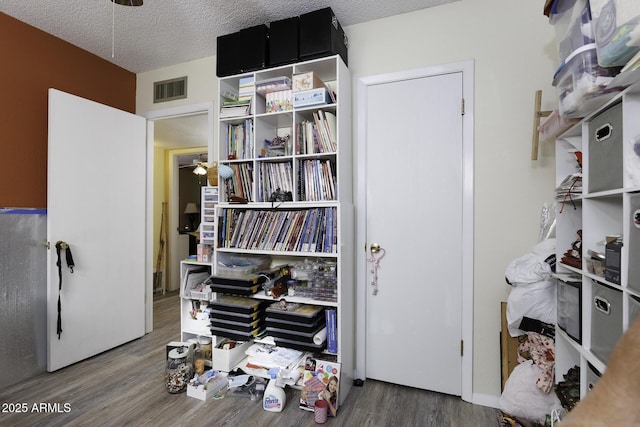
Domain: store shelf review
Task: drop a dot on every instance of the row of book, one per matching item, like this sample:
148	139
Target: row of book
306	230
239	140
317	136
275	176
313	136
241	183
317	180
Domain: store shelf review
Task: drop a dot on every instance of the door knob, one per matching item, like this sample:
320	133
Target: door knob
375	248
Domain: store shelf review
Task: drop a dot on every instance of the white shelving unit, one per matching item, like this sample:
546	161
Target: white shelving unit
608	206
194	322
294	170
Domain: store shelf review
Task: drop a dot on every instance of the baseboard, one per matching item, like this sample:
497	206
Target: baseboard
486	400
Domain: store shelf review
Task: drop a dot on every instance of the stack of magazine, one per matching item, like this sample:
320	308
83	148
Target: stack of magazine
570	187
235	108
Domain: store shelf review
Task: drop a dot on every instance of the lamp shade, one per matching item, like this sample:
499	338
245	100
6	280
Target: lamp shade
191	208
225	171
199	170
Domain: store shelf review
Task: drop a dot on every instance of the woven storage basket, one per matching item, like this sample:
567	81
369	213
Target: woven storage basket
212	174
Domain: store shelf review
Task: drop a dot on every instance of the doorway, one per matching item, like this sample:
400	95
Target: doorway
186	130
421	152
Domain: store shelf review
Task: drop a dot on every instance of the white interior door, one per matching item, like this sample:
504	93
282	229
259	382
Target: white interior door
414	179
96	198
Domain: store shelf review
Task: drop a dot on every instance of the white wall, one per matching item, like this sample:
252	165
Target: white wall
514	50
202	84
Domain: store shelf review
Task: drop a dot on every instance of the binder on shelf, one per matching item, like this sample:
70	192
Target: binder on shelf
332	335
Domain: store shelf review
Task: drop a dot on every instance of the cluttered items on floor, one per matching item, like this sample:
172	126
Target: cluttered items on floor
262	375
531	316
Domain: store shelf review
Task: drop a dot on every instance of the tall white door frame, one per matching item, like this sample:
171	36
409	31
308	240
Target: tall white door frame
467	69
151	117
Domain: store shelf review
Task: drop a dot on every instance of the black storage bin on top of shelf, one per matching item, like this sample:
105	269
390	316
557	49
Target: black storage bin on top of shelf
254	48
322	35
227	55
283	41
244	51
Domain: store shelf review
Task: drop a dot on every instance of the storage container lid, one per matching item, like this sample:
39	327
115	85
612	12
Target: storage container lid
566	62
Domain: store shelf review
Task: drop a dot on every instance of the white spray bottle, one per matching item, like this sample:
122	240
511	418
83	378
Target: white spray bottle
274	397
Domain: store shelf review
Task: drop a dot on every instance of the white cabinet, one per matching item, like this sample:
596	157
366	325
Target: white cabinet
606	208
194	316
282	143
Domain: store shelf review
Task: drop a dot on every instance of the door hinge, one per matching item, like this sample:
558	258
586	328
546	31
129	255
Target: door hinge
461	348
462	107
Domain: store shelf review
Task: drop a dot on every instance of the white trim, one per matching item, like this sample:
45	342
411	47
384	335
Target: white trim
487	400
467	68
152	116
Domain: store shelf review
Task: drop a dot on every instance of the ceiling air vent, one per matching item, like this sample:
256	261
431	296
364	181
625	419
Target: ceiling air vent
168	90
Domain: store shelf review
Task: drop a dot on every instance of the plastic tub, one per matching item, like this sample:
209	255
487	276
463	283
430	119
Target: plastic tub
582	84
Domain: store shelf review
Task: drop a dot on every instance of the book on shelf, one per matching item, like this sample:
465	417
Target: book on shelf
239	140
332	335
275	176
317	135
317	180
241	182
301	230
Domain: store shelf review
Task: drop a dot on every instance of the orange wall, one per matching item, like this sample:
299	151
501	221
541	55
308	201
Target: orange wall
31	62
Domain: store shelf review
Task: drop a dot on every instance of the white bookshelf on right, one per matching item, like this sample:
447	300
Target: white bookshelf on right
600	296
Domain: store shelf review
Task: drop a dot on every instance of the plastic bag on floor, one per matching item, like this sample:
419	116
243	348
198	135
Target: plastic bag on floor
521	398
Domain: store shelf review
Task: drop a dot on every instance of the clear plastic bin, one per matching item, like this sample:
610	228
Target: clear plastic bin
582	84
572	22
616	25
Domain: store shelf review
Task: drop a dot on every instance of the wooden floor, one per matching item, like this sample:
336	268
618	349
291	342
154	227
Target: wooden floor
125	386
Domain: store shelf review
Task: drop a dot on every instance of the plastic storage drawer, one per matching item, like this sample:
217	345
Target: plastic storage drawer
606	320
569	306
581	83
605	150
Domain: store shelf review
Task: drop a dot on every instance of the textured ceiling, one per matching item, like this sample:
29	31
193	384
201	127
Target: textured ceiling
163	32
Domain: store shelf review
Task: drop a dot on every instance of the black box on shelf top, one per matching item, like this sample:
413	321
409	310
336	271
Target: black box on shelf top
227	55
283	41
322	35
253	50
243	51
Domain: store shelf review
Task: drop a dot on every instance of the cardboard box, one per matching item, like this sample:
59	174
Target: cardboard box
226	360
306	81
311	97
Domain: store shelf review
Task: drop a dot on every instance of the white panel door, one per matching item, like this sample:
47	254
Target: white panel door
414	179
96	203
